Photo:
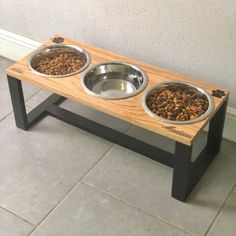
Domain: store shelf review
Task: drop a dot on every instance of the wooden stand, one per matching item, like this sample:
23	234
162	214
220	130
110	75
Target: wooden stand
185	172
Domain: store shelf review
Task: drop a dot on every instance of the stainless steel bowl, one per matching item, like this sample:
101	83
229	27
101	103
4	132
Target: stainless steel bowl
58	48
175	85
114	80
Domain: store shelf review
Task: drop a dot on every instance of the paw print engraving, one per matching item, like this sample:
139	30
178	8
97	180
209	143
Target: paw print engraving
218	93
57	39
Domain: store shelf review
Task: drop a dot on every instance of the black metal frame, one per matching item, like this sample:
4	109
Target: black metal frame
185	172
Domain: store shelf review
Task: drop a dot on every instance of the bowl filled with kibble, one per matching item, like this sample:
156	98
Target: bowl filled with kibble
177	102
59	60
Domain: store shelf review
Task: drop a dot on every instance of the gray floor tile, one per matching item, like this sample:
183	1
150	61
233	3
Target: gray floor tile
147	184
5	101
83	111
89	212
38	167
225	223
11	225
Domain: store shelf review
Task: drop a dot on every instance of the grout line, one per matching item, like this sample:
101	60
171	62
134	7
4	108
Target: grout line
97	162
26	100
70	190
4	117
136	207
219	211
13	213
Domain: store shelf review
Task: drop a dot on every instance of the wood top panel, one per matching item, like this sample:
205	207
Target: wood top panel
129	109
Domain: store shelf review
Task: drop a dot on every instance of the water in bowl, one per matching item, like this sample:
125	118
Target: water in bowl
113	87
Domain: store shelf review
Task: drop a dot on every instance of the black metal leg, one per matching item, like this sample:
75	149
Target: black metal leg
186	173
181	171
18	103
216	130
22	119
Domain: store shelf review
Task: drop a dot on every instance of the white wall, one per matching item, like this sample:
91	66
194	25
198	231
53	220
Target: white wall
193	37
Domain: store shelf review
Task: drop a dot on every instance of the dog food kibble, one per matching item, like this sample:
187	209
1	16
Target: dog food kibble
177	104
61	63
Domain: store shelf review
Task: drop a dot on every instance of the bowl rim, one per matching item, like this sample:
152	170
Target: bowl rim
61	45
158	85
137	68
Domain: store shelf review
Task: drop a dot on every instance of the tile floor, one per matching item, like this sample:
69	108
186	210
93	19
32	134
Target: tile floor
62	181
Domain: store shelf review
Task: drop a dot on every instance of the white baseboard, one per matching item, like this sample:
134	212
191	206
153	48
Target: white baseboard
14	47
230	124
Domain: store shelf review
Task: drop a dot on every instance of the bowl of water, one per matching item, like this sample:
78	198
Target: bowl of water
114	80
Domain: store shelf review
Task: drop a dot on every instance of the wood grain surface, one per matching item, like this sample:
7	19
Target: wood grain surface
129	109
